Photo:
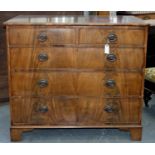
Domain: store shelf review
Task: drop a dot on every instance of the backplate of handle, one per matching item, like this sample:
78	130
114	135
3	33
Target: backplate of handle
146	17
108	109
42	37
43	109
112	37
43	83
110	83
42	57
111	57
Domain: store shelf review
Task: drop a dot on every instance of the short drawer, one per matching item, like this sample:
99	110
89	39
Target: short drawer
40	36
40	111
95	58
54	57
80	111
77	83
108	111
109	84
43	83
114	35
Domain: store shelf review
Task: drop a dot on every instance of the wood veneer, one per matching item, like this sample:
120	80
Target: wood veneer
73	83
5	15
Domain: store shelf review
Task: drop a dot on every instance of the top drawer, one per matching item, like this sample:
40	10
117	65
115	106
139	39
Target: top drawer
113	35
41	36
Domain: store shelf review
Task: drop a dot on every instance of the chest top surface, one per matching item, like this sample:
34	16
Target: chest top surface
73	20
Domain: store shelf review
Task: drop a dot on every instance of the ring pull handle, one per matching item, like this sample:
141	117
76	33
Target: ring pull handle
146	17
110	83
112	37
43	109
42	37
108	109
43	83
42	57
111	57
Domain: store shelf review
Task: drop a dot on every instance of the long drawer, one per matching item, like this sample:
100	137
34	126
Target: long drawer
77	83
85	111
82	58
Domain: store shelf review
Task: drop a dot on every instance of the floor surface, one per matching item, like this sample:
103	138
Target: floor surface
80	135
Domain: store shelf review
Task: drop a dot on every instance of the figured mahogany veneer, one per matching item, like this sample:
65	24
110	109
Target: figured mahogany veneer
74	57
98	35
31	35
76	83
75	111
60	76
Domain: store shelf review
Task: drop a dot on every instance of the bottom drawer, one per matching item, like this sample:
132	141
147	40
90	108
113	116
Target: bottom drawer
82	111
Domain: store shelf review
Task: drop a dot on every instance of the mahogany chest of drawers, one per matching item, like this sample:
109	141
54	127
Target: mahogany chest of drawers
76	72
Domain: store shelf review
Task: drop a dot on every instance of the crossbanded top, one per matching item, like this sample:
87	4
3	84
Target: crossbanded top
73	20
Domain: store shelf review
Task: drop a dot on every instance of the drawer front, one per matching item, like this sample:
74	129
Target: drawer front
86	111
114	35
84	58
75	83
44	83
96	111
109	84
40	111
54	57
95	58
41	36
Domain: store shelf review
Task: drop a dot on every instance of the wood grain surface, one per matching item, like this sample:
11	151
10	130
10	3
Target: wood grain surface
5	15
73	83
73	57
60	76
76	111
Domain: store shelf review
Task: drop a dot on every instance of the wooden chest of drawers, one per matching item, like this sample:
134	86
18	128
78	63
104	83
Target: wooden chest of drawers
61	77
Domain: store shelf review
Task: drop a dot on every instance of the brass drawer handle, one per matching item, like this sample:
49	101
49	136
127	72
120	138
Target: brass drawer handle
110	83
108	109
42	37
146	17
42	57
43	83
43	109
112	37
111	57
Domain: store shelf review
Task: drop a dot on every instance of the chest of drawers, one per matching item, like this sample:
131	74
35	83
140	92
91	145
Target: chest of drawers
61	77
